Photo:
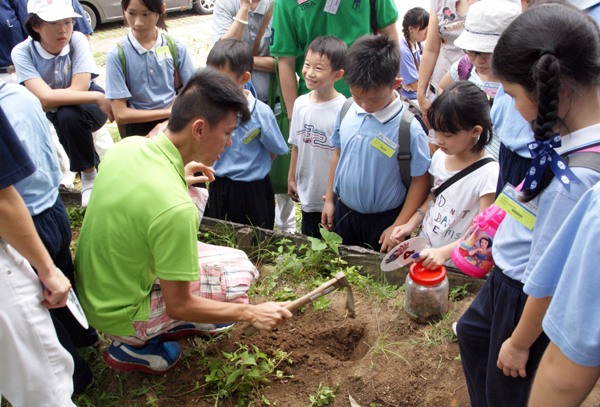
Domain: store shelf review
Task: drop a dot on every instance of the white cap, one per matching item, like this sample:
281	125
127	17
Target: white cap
52	10
486	21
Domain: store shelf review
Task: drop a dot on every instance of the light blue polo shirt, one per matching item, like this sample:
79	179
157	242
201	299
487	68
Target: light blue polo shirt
568	271
516	249
40	189
408	70
33	61
249	156
366	179
512	129
150	82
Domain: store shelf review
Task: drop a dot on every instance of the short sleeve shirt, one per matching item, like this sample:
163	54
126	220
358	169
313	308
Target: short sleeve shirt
32	61
296	23
408	70
15	164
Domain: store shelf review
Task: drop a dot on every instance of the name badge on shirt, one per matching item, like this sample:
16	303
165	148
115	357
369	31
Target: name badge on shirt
250	135
524	212
491	88
384	144
331	6
162	51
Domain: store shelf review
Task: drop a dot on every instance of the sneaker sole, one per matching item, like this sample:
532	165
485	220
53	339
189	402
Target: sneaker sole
173	336
133	367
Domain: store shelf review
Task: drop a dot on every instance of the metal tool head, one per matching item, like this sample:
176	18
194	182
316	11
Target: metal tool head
342	281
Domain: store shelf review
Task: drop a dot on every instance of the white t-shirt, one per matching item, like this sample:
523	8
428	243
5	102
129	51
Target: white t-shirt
310	131
451	214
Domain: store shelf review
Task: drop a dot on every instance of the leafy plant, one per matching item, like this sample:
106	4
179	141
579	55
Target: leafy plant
459	293
321	303
242	373
76	215
323	396
286	294
222	235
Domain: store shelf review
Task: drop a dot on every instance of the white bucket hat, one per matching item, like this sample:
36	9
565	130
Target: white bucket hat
52	10
486	20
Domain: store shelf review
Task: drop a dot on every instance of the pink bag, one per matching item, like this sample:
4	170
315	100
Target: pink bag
473	256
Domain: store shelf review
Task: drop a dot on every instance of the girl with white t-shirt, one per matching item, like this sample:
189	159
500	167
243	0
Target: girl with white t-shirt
461	120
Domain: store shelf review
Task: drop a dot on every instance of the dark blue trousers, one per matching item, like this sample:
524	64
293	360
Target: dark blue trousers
310	224
54	229
362	229
483	328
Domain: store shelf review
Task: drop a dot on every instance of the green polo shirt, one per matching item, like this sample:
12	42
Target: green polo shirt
140	224
295	25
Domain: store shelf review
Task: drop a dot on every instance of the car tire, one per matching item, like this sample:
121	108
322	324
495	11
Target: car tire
90	15
204	6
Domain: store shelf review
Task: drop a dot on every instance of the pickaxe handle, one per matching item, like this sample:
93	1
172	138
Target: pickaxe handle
338	281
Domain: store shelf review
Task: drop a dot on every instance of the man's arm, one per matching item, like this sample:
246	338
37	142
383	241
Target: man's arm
182	305
390	31
428	61
289	84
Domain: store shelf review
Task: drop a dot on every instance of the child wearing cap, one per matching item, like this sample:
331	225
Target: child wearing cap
56	65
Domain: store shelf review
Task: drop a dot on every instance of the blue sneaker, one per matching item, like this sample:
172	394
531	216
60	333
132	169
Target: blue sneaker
192	328
157	357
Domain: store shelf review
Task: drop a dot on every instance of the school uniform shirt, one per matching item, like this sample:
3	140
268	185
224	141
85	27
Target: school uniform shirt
568	271
310	131
40	189
150	82
408	70
517	249
249	156
33	61
512	129
15	164
451	214
13	14
367	180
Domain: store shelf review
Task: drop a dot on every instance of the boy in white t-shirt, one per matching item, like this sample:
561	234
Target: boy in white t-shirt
313	120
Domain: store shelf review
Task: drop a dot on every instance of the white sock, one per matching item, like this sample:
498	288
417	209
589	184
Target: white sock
87	182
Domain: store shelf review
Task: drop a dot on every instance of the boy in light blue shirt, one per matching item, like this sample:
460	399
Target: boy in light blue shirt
242	191
365	197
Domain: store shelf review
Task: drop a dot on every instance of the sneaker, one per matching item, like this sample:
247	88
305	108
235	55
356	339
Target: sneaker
192	328
454	328
157	357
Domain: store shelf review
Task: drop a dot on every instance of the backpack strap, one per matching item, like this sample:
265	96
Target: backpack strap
586	159
461	174
464	68
122	59
345	108
404	155
173	50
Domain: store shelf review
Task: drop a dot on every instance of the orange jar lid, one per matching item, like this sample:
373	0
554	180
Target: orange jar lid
426	277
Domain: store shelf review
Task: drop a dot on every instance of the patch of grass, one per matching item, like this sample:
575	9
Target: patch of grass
440	332
459	293
76	215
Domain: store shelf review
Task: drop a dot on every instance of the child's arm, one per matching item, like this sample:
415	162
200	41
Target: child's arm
514	353
76	94
292	187
561	382
434	257
417	192
125	115
329	206
401	232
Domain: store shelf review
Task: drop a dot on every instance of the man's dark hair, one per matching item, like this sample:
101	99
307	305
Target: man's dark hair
372	62
33	21
232	53
208	94
333	48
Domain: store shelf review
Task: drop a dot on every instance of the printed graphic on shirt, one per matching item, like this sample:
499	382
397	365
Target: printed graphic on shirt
314	137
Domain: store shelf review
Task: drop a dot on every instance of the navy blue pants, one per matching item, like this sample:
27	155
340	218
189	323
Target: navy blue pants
310	224
54	229
362	229
141	129
483	328
74	126
250	203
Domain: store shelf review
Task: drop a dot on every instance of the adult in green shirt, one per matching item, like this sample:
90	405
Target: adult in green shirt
296	23
141	225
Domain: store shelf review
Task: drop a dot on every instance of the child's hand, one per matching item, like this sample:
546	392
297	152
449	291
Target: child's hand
400	232
327	215
433	258
513	358
385	240
104	105
293	190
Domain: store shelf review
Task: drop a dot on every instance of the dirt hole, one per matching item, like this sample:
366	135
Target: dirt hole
343	343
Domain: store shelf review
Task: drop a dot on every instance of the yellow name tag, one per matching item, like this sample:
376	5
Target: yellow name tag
250	135
384	148
524	212
162	51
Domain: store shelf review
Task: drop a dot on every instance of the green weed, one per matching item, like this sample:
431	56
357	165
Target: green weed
459	293
321	303
76	215
323	396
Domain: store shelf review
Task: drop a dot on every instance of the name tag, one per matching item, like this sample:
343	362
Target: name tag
491	88
524	212
331	6
162	51
384	144
250	135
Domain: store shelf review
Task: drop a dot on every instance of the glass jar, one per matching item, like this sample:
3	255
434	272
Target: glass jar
426	295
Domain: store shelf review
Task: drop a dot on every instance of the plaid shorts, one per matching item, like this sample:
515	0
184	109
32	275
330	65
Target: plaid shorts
226	275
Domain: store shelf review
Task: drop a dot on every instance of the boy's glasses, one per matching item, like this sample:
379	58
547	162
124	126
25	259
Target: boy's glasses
485	55
54	24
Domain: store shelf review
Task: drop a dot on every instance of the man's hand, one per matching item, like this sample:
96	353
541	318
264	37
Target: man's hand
293	191
56	289
268	315
327	215
512	359
193	167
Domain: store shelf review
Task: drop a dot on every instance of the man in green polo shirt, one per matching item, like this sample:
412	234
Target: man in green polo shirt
141	225
296	23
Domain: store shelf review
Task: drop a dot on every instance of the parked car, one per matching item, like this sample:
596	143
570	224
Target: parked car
105	11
